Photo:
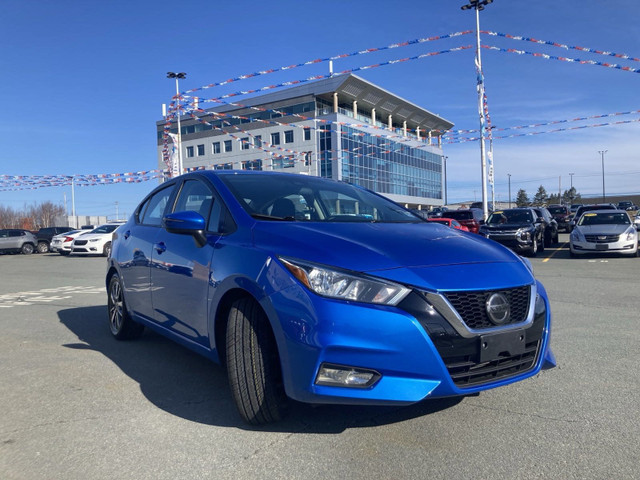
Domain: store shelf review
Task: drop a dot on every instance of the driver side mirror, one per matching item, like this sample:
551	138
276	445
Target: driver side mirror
186	223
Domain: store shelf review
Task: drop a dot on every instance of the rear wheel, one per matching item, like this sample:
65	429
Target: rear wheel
43	247
253	365
27	249
120	323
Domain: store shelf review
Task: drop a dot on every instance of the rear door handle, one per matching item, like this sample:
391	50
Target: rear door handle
126	234
160	247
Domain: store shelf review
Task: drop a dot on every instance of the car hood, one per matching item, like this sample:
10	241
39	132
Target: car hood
424	254
507	226
603	229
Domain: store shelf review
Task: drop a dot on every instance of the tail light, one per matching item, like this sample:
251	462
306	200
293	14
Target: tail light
68	239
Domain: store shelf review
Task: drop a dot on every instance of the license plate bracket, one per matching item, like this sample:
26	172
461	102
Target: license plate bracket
602	246
492	346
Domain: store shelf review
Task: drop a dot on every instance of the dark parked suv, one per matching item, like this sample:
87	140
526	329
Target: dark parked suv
13	240
562	215
46	234
471	218
520	229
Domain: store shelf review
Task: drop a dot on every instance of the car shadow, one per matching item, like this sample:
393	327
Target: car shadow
192	387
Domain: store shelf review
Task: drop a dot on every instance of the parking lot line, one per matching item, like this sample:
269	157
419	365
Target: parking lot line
556	250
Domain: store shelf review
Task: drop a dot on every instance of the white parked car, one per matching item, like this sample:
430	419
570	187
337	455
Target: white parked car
604	231
636	220
62	243
96	241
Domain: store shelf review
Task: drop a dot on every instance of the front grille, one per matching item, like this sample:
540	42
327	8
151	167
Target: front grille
602	238
80	242
466	372
471	306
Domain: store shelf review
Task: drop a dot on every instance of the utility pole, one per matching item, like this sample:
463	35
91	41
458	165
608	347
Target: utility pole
602	152
509	175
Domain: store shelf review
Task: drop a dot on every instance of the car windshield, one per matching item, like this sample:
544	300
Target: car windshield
604	219
104	229
510	216
303	198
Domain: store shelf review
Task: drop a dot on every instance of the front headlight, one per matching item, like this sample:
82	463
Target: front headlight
523	234
335	283
577	236
631	233
94	240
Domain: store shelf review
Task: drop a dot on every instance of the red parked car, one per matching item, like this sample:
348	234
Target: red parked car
471	218
450	222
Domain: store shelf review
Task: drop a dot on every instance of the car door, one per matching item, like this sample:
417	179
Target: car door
181	269
135	244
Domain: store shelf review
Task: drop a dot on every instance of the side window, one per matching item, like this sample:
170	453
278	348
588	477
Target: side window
195	196
152	210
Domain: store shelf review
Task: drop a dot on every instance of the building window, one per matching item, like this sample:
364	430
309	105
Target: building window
307	133
288	136
275	138
257	141
215	147
245	143
252	165
223	166
227	146
189	152
201	150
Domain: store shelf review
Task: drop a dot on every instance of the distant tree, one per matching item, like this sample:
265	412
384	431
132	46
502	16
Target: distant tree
554	198
522	199
571	196
541	198
33	217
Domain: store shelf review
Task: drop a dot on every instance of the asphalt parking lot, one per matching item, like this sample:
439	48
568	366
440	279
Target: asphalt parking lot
76	404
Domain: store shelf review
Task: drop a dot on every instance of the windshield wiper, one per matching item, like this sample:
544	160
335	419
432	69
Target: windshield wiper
261	216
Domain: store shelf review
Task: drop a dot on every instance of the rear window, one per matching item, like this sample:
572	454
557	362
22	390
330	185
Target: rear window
460	215
556	210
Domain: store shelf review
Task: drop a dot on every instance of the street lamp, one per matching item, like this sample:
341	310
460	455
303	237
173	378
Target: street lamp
571	189
602	152
509	175
178	76
479	5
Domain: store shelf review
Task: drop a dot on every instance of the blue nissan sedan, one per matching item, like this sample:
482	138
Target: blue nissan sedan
323	292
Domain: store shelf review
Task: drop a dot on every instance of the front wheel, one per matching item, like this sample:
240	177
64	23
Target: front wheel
43	247
120	323
27	249
253	364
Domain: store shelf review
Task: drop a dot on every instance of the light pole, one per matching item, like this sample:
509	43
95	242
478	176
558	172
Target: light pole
571	189
444	161
602	152
178	76
478	5
509	175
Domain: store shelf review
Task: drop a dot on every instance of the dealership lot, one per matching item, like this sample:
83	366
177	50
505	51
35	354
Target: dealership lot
77	404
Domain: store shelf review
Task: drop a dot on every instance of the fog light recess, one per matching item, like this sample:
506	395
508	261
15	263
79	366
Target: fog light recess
344	376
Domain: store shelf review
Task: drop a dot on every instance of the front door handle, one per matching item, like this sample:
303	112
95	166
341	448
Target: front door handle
160	247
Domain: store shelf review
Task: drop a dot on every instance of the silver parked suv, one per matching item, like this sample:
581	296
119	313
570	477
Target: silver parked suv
13	240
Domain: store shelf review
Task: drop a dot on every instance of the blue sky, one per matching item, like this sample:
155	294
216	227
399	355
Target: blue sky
84	82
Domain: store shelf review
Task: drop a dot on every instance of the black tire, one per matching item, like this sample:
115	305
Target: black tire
541	243
27	249
106	251
572	255
120	323
253	364
556	240
43	247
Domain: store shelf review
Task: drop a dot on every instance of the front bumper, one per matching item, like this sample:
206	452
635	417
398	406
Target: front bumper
414	349
628	247
510	240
